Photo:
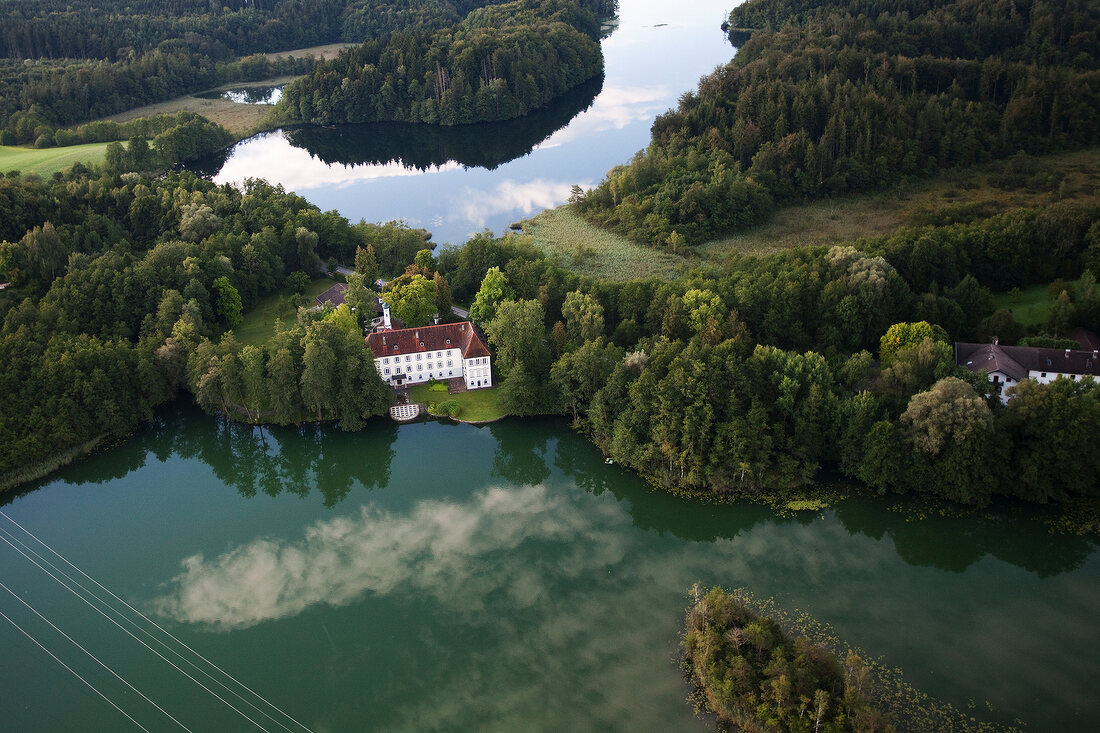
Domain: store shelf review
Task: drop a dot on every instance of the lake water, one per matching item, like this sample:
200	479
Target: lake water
456	182
441	577
247	95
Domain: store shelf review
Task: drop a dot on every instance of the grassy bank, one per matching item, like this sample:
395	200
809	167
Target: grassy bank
45	468
589	250
479	405
47	161
981	190
239	118
259	323
990	188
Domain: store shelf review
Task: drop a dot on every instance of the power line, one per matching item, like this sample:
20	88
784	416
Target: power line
154	624
94	657
131	635
75	673
152	637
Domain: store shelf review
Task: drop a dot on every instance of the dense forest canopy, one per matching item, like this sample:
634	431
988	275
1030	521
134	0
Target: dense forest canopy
830	97
65	64
111	30
499	63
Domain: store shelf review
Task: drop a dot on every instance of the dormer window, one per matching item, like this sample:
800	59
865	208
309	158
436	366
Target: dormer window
448	342
395	347
422	344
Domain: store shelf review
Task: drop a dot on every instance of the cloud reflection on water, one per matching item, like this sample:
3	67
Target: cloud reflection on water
272	156
440	547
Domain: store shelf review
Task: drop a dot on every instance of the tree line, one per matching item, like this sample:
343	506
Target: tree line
122	285
499	63
751	377
65	63
834	98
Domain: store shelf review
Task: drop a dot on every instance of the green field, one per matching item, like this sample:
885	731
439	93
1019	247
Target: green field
259	323
589	250
47	161
1030	306
478	405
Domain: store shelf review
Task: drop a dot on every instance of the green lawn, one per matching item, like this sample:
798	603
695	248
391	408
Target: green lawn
1030	306
259	323
478	405
47	161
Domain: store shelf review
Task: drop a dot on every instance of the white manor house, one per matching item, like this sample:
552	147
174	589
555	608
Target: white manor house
447	351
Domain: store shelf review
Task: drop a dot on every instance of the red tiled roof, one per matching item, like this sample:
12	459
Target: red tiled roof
428	338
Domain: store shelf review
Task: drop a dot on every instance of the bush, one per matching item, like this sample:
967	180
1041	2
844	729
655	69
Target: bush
450	408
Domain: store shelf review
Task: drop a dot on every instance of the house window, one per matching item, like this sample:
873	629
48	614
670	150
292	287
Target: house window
407	357
418	357
419	367
1043	375
450	362
429	365
387	371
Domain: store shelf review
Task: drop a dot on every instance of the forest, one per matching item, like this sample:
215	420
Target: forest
830	98
753	377
118	282
498	63
66	63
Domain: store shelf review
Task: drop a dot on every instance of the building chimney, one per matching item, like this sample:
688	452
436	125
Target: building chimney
1067	353
416	334
383	339
386	317
995	340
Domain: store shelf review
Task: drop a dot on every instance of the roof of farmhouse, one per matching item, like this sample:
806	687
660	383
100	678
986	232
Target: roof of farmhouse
428	338
1017	361
334	295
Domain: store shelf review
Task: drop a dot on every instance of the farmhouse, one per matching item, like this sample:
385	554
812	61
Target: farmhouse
447	351
1007	366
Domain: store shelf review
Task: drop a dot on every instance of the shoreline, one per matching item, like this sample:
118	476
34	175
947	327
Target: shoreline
41	470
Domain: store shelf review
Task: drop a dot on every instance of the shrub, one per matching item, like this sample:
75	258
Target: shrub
450	408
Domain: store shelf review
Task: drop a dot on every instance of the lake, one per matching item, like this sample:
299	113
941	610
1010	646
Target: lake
449	577
458	181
